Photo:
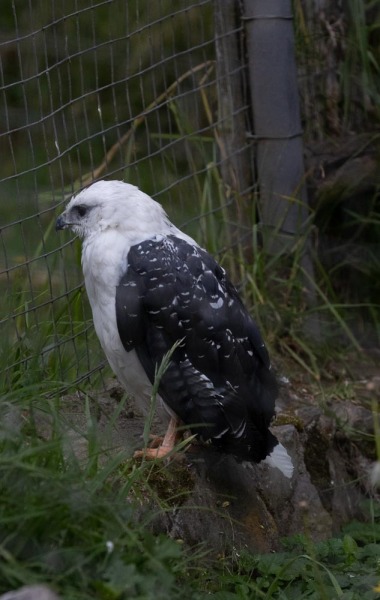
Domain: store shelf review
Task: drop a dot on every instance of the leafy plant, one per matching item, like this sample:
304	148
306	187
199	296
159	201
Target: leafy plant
69	520
337	568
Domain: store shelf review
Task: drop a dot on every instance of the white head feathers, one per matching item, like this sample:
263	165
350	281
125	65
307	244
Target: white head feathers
114	205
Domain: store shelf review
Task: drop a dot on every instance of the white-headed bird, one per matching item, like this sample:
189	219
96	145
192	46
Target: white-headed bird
153	288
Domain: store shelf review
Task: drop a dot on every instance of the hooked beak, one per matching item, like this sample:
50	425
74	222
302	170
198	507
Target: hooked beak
61	223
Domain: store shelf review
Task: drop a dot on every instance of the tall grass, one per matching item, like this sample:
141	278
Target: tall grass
81	521
338	56
274	286
76	530
69	519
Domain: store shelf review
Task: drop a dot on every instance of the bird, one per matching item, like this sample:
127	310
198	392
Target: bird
155	292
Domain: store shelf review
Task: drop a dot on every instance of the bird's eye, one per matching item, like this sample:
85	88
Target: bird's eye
81	210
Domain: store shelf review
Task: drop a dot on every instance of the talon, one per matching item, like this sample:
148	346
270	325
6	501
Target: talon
153	453
161	447
155	441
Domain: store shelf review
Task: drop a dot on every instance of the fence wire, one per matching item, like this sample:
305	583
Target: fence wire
140	91
114	89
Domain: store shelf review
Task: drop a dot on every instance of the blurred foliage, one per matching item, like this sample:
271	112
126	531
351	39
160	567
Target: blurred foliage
338	53
76	76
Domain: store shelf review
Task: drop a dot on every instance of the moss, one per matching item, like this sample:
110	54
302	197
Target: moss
317	465
170	484
287	419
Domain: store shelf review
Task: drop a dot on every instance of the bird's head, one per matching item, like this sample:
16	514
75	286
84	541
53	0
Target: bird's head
113	205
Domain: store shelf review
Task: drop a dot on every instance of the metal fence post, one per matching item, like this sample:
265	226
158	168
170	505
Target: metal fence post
276	120
278	135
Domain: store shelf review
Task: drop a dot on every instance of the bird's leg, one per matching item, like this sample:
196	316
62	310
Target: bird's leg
167	444
155	440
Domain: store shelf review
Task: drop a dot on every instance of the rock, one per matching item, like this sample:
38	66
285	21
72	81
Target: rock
229	506
225	508
31	592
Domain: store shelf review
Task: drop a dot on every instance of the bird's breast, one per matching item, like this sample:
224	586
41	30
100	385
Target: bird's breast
103	260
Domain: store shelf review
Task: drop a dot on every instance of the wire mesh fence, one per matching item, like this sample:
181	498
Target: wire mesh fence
139	91
116	89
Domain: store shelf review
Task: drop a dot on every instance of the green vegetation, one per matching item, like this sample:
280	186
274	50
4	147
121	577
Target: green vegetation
72	524
338	568
83	524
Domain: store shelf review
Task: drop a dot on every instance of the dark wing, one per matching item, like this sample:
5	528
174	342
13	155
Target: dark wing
219	379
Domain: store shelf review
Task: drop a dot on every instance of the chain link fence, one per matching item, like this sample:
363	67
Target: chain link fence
114	89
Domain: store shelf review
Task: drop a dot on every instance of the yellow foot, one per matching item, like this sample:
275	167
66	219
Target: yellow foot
161	447
189	444
155	440
153	453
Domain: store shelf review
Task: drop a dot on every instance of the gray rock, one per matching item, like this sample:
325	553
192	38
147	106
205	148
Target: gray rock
31	592
230	506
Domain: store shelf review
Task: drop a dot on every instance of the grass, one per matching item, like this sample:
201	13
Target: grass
83	524
339	54
71	522
337	568
78	524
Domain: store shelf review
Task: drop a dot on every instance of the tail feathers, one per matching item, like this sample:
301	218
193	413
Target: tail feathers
280	458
